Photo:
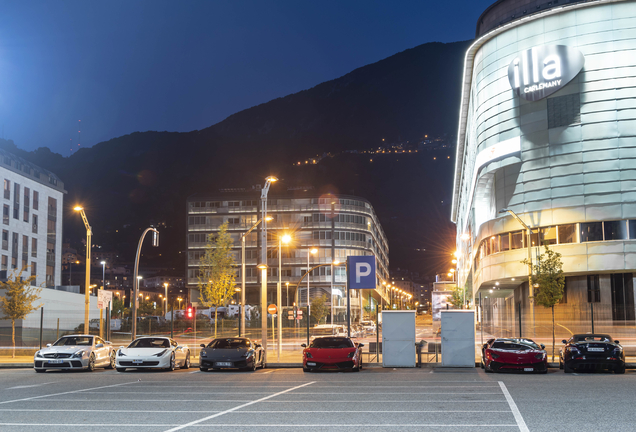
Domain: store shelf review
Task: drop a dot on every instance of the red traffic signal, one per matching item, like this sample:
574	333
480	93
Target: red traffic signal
189	311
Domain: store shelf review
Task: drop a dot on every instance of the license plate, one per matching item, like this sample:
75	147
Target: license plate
596	349
528	369
311	364
137	361
223	364
56	361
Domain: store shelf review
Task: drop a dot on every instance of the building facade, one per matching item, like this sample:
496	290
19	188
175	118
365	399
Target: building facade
347	227
548	131
31	220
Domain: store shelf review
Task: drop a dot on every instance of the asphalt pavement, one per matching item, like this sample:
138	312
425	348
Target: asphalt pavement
430	399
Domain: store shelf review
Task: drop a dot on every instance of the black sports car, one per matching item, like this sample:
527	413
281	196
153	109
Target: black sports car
592	352
231	353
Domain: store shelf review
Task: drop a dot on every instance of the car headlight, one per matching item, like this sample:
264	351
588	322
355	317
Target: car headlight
120	353
159	354
539	356
203	354
38	355
351	354
78	354
309	355
248	354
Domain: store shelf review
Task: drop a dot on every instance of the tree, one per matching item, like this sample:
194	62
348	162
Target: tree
319	308
550	280
217	271
18	300
457	297
118	309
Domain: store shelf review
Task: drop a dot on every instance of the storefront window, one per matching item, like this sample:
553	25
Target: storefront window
615	230
505	242
591	231
567	233
516	240
548	235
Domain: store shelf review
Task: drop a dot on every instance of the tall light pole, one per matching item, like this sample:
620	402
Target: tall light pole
165	284
281	239
528	245
155	243
87	300
312	251
101	318
334	263
263	266
242	305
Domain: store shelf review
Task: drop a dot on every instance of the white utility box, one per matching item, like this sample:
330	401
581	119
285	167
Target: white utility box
398	338
458	338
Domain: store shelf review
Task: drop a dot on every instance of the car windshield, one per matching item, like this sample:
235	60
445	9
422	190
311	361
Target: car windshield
150	343
331	343
592	338
515	344
229	343
74	340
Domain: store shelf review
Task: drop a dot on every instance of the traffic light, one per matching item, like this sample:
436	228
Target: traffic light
189	311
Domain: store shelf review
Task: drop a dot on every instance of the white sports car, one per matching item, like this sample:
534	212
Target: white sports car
75	352
153	352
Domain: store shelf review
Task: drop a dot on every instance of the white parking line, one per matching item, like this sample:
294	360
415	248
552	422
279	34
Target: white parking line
237	408
513	407
64	393
265	425
29	386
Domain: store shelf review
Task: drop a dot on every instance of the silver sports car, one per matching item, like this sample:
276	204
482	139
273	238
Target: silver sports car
75	352
153	352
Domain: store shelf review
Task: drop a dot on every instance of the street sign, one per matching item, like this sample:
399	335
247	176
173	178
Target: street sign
299	315
271	309
361	272
104	298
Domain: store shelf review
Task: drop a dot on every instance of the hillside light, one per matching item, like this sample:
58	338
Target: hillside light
89	233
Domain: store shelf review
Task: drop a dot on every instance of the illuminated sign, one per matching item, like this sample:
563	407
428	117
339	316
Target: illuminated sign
540	71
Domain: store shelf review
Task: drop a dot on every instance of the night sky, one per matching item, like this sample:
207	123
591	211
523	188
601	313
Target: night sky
126	66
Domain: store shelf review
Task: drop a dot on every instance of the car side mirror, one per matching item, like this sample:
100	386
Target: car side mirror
485	346
360	345
564	341
542	346
202	345
122	346
257	345
109	343
48	345
99	345
617	342
303	345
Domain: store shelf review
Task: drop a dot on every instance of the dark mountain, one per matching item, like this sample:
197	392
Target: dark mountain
134	180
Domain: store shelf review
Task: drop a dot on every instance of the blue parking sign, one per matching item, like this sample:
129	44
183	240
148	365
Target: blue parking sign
361	272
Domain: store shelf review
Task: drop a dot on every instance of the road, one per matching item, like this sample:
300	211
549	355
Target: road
430	399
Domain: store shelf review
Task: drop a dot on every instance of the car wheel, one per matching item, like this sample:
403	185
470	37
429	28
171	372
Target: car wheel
91	363
481	364
253	368
186	362
112	363
560	364
121	369
567	369
173	363
202	369
39	370
620	369
263	365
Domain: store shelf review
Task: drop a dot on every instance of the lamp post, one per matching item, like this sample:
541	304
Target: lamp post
281	239
101	319
165	285
332	276
287	294
312	251
89	234
155	243
268	181
242	305
529	244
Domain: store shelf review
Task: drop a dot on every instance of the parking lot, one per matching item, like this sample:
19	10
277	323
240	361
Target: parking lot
431	399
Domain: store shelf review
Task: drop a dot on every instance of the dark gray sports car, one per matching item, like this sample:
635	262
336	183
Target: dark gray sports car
231	353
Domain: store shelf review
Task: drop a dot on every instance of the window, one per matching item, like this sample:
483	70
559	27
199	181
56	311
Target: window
26	209
307	219
593	289
615	230
592	231
34	248
622	290
234	221
505	242
34	271
36	200
7	189
16	200
567	233
34	228
516	240
5	262
494	244
25	250
548	235
5	240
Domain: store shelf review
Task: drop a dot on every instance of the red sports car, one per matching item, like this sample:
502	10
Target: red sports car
514	354
332	353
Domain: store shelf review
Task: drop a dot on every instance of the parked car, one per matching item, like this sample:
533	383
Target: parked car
231	353
153	352
75	352
514	354
328	330
332	353
592	352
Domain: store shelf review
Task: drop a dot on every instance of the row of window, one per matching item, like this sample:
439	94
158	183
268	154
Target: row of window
285	272
254	203
16	194
560	234
340	235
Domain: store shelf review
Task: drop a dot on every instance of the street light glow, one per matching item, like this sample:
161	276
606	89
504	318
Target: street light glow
286	238
78	208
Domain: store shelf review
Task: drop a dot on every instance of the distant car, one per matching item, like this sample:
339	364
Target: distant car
332	353
328	330
231	353
75	352
154	353
368	326
514	354
592	352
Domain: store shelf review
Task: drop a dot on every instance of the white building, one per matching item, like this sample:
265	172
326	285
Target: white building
31	220
548	130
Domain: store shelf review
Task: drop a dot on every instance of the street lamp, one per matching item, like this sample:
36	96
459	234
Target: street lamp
312	251
155	243
242	305
268	181
89	233
334	263
101	318
529	236
165	284
286	238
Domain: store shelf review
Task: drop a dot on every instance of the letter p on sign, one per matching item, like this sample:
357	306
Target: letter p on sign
362	269
361	272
